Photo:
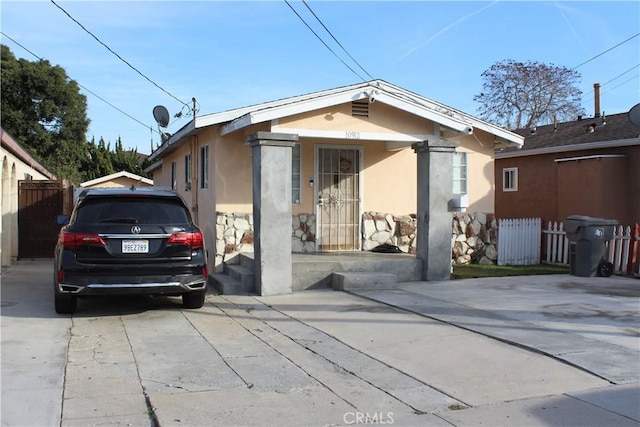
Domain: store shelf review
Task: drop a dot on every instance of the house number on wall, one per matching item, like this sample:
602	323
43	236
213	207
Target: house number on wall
353	134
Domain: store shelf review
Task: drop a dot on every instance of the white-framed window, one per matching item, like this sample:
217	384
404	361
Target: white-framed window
204	166
187	172
510	179
296	167
459	173
174	175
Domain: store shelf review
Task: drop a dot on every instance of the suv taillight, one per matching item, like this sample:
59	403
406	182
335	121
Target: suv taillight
193	240
75	240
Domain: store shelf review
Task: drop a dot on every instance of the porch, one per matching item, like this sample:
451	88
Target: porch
340	270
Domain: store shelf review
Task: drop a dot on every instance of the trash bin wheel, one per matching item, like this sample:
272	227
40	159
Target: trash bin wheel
605	269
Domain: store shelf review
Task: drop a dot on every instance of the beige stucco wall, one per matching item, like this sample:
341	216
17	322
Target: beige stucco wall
13	170
389	177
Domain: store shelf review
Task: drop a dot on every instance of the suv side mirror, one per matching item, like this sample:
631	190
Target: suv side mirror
63	219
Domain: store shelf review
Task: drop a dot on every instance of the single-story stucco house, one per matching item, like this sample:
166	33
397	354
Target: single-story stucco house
321	172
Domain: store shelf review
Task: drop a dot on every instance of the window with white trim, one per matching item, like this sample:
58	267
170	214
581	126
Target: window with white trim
174	175
510	179
187	172
204	166
296	167
459	173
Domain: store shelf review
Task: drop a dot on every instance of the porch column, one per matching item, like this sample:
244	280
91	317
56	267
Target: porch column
272	211
435	189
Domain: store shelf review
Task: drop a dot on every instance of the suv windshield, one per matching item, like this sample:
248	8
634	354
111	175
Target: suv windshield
131	211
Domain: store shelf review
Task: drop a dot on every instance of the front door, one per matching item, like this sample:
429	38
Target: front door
338	198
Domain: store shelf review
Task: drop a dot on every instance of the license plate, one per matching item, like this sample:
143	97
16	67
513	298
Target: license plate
135	246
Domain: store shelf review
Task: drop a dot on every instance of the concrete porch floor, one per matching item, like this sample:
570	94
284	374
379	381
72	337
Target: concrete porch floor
315	270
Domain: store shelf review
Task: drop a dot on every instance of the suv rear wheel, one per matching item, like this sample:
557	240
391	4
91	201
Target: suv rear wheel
65	304
193	300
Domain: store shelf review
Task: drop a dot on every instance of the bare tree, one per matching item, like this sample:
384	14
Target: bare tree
522	95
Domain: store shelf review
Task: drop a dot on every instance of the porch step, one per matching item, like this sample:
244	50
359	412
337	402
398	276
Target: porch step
242	274
237	278
352	280
226	285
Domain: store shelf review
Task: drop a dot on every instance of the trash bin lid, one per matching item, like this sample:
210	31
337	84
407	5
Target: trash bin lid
574	221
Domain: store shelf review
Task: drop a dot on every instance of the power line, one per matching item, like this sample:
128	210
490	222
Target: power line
83	87
322	41
623	83
336	40
600	54
620	75
118	56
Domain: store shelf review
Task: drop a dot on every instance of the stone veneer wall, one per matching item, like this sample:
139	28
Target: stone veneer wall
379	228
234	235
474	236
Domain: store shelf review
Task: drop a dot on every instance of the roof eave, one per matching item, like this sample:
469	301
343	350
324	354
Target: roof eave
571	147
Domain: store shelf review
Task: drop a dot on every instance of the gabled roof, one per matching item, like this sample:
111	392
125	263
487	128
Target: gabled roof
583	134
377	90
121	174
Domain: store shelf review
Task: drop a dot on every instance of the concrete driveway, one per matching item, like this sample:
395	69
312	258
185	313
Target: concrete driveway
537	350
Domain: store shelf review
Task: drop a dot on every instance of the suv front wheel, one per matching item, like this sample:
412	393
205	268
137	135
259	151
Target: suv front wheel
193	300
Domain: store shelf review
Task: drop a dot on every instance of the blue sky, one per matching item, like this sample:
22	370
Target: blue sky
229	54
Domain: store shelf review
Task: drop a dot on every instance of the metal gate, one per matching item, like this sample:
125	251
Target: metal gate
338	198
38	204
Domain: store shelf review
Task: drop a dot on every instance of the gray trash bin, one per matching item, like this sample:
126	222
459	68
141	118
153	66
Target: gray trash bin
588	237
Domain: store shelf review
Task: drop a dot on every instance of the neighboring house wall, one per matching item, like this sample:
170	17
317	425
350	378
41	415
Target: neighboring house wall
120	182
552	188
601	183
17	165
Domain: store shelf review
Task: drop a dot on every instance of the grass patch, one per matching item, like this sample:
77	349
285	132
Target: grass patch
469	271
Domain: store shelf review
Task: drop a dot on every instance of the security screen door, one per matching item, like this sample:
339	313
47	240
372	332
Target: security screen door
338	198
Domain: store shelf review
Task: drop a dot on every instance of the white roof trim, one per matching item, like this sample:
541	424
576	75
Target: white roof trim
121	174
565	148
381	91
354	134
593	157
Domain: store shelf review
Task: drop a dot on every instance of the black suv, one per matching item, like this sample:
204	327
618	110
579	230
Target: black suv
129	241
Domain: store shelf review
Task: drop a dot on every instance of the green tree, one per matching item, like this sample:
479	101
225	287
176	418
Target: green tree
521	95
45	111
98	161
129	161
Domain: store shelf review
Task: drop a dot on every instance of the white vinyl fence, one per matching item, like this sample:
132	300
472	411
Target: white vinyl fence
519	241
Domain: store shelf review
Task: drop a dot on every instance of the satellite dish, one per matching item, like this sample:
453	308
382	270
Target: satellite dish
161	114
634	115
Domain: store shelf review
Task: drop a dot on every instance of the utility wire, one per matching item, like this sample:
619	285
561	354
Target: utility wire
322	41
336	40
91	92
620	75
600	54
118	56
623	83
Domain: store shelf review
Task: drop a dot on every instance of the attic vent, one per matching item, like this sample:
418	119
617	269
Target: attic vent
360	108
